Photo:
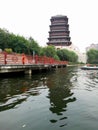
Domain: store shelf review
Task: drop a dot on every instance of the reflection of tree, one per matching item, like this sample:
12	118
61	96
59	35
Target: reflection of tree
59	99
12	104
15	91
60	95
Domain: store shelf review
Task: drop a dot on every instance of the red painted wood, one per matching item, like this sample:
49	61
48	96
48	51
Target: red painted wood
19	59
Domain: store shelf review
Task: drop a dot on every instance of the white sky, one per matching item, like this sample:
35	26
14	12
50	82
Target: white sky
32	18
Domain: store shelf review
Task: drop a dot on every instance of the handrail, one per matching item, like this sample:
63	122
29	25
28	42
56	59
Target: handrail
18	59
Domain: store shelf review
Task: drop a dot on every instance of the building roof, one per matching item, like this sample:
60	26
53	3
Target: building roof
59	16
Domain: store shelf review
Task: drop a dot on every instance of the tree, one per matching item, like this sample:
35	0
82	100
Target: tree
33	46
18	43
49	51
4	38
92	56
65	54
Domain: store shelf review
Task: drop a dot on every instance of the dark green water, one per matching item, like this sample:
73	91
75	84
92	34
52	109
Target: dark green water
65	99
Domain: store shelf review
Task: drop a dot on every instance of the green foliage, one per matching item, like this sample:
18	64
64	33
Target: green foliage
65	54
73	57
4	39
20	44
17	43
33	46
8	50
92	56
56	57
48	51
62	54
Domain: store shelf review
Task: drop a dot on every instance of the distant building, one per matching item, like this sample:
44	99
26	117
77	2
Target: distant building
81	56
92	46
59	32
59	36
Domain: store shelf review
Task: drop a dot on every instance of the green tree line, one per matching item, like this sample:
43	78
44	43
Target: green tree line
19	44
92	56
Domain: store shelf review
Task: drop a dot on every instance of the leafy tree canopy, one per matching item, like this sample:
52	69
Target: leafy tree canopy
65	54
18	43
92	56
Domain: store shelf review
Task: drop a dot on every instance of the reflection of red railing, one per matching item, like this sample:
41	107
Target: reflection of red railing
14	58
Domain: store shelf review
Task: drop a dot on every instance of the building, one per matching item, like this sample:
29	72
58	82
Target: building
92	46
59	36
81	56
59	32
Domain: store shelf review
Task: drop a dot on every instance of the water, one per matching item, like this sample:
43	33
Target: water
63	99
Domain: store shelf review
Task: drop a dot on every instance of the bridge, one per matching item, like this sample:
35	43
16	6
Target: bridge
13	62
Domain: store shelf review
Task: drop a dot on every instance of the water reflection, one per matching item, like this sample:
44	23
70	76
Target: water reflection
14	91
60	95
11	104
65	98
86	80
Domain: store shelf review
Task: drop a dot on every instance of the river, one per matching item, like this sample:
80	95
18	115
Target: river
64	99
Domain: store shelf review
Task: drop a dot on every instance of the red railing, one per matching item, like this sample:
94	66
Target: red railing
19	59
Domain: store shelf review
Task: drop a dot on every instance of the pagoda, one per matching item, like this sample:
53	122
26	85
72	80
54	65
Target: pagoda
59	32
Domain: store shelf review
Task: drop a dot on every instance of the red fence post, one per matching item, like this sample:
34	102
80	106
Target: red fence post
36	59
5	58
25	59
44	59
